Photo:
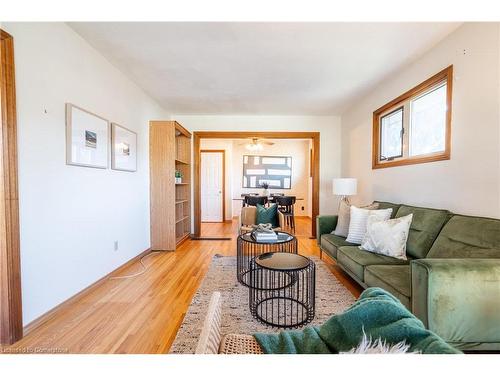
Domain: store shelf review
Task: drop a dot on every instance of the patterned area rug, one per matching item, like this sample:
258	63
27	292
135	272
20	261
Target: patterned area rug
331	298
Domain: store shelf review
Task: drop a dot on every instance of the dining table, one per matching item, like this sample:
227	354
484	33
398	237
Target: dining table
269	198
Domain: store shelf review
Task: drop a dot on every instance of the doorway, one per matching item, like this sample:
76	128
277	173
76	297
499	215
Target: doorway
315	152
212	186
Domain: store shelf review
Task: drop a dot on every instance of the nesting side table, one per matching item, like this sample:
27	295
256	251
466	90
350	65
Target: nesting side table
248	249
282	289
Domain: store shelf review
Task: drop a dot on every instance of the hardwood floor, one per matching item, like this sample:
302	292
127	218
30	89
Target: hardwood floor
142	314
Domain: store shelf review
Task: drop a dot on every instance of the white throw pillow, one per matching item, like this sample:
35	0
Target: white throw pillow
387	237
344	218
359	218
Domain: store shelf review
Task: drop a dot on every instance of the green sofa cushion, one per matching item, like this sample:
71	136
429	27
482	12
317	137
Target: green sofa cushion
385	205
468	237
425	227
267	215
395	279
330	243
354	260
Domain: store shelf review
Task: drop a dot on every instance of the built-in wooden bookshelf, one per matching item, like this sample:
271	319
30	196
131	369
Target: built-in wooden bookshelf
170	151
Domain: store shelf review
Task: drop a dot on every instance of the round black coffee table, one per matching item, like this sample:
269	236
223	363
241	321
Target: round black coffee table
248	248
282	289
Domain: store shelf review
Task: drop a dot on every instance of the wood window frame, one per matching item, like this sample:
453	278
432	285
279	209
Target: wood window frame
444	75
381	117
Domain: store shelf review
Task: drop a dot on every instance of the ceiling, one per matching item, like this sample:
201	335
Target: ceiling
260	68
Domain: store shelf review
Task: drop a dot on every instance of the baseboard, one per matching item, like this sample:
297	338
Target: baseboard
49	314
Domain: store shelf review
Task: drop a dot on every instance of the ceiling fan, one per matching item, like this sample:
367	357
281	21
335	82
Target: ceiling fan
256	144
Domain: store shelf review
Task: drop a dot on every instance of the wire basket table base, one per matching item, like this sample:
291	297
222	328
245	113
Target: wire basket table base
283	298
248	249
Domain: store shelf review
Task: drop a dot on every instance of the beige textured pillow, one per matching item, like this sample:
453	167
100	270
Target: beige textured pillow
387	237
344	217
359	221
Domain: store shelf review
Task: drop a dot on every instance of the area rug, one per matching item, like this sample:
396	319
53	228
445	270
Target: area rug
331	298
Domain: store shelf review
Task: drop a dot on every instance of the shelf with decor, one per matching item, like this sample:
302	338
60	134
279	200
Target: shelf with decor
170	173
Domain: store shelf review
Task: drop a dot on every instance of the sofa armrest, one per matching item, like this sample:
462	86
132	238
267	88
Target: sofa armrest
458	299
325	224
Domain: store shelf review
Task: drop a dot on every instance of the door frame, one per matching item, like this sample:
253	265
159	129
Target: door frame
198	135
11	319
223	182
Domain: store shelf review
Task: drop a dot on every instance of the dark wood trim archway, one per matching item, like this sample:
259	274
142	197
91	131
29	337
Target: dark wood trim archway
11	322
197	136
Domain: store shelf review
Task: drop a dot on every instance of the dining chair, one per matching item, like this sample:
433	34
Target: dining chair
272	197
286	206
243	195
252	200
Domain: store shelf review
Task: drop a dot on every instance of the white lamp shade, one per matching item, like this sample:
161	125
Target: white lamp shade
345	186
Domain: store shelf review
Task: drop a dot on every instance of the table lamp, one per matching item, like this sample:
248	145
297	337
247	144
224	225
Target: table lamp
345	187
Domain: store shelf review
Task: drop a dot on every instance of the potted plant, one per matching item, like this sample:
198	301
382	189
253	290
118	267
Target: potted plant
265	186
178	177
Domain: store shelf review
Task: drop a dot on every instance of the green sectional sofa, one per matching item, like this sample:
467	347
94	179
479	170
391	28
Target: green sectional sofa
451	280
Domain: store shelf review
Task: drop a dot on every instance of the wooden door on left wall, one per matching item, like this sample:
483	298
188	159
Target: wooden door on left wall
212	186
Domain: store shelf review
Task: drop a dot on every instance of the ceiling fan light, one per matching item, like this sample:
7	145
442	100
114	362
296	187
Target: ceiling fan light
254	147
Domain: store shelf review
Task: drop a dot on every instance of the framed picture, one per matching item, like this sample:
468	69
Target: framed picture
276	171
123	148
87	138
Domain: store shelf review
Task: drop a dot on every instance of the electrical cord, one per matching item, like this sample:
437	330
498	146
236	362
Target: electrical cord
144	268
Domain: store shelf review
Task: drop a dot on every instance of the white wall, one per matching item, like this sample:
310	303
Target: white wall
227	146
330	148
468	183
70	216
298	149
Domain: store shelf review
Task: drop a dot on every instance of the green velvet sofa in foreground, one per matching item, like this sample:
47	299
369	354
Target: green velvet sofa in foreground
451	280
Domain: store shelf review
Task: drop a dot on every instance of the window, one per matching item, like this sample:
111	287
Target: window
391	135
415	127
428	122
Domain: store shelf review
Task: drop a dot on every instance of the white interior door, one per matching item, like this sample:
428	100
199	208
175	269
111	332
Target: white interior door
211	186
